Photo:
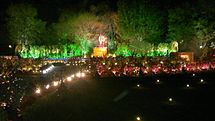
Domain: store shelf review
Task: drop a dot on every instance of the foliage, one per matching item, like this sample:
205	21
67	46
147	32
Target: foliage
140	21
51	51
123	50
23	26
3	116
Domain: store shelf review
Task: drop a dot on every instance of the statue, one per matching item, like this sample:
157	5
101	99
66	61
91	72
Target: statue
102	42
175	46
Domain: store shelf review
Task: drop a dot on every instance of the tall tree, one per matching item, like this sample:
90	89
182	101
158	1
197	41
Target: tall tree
23	25
76	28
140	21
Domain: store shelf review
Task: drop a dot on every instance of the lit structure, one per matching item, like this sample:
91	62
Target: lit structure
187	56
101	49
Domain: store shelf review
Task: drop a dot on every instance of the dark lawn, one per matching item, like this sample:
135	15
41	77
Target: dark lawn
97	99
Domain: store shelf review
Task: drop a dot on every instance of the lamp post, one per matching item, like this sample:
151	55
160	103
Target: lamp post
12	49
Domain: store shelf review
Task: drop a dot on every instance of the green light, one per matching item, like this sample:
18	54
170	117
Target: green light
123	51
84	48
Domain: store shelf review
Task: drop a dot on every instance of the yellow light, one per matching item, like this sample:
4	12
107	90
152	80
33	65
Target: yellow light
3	104
69	79
138	85
138	118
38	91
73	76
78	74
161	62
47	86
170	99
158	80
82	74
201	80
55	83
115	63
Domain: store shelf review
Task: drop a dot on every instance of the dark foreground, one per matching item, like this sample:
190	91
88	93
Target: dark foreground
120	99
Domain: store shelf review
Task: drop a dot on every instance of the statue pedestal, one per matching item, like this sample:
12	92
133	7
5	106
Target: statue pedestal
99	51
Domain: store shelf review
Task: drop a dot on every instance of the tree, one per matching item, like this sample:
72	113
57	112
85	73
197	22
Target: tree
74	28
140	21
192	25
180	27
23	26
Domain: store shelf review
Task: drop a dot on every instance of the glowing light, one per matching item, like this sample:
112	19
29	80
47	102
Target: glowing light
82	74
48	69
115	63
38	91
188	85
73	76
3	104
170	99
158	81
78	74
138	85
55	83
44	71
201	80
10	46
138	118
69	79
193	74
47	86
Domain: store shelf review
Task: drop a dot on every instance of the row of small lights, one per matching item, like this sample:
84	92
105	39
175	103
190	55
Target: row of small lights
79	75
48	69
56	83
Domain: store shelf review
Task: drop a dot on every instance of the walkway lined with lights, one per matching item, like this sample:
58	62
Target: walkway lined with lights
141	89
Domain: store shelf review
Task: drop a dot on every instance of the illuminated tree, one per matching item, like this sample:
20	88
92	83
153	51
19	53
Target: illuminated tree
123	50
81	28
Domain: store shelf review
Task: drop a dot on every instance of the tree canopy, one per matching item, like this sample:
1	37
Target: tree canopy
23	25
